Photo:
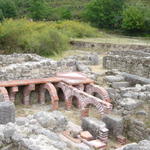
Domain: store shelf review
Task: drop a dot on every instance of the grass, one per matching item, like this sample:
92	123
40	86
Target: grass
117	39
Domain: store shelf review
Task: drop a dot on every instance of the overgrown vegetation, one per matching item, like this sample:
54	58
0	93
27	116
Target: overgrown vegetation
126	15
44	38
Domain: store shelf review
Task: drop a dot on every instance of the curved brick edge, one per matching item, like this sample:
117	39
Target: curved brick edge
26	93
80	87
12	93
92	88
4	92
67	98
52	92
84	100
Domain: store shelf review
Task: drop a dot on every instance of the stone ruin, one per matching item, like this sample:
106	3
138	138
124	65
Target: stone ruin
127	89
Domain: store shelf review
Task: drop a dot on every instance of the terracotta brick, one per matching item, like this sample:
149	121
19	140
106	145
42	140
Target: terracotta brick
84	99
97	144
52	92
121	140
92	88
4	92
86	135
12	93
85	112
26	93
29	81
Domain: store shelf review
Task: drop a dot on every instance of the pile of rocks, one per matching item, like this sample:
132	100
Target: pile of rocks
35	132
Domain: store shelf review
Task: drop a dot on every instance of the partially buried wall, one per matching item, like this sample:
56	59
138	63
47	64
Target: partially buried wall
134	62
27	66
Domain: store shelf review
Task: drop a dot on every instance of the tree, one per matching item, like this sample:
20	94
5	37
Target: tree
1	15
104	13
8	8
39	10
135	17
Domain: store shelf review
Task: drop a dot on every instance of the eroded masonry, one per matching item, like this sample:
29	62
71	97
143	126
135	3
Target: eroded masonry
121	95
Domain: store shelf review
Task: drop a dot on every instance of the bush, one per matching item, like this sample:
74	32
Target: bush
136	17
32	37
75	29
104	13
44	38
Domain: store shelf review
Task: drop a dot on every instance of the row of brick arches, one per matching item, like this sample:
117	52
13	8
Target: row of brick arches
83	93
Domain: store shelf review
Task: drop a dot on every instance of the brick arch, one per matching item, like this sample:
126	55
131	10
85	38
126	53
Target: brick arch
26	93
52	92
63	88
12	93
92	88
84	98
4	92
69	101
68	95
80	87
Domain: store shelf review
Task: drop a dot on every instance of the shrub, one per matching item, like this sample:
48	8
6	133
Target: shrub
134	17
76	29
44	38
25	36
104	13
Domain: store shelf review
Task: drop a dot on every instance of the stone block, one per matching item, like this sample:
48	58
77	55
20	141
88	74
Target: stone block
7	112
114	123
96	127
97	144
118	85
111	79
130	104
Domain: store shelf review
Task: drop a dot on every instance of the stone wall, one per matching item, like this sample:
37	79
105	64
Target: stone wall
6	60
32	66
108	46
125	62
136	130
28	66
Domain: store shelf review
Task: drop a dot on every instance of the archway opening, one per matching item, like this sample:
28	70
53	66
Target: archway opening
75	102
61	97
95	94
47	97
93	112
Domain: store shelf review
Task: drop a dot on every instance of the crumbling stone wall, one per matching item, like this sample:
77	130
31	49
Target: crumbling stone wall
127	62
108	46
31	66
6	60
136	130
28	66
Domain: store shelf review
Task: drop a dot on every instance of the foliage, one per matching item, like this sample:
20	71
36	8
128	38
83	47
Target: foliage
39	9
44	38
136	17
8	8
26	36
76	29
104	13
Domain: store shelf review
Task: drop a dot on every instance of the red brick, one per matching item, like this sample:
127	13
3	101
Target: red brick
97	144
86	135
